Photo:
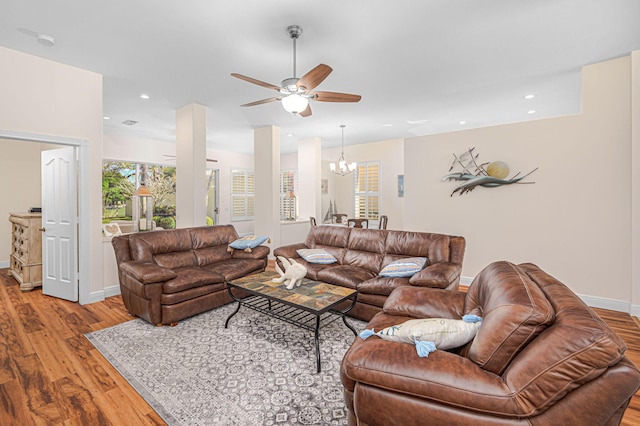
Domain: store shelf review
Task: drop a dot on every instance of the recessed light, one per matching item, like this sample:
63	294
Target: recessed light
289	134
106	118
144	96
46	40
416	121
462	122
387	125
531	111
531	96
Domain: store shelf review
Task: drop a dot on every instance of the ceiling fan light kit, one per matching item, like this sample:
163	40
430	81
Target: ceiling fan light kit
341	167
294	92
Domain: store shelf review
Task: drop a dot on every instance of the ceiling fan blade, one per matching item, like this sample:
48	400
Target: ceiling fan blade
335	97
254	81
261	101
314	77
306	112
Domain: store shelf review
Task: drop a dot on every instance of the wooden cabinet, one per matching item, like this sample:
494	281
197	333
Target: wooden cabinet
26	249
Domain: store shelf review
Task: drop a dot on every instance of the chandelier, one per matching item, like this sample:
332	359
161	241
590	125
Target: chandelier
341	167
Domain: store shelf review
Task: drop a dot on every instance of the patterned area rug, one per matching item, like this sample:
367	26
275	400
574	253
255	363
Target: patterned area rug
259	371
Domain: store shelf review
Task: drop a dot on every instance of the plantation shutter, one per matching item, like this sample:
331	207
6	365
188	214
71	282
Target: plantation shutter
288	205
242	195
366	190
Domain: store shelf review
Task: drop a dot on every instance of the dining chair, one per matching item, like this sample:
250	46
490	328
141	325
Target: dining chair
358	223
338	217
313	221
383	222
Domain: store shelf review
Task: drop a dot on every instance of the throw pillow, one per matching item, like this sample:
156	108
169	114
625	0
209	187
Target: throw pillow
249	242
430	334
403	267
320	256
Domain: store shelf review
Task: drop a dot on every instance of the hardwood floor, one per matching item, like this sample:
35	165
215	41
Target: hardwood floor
51	375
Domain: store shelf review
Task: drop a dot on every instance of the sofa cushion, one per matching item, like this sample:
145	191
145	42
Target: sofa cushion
209	255
403	267
211	236
514	311
365	249
174	260
381	285
188	278
333	236
320	256
236	268
145	245
345	275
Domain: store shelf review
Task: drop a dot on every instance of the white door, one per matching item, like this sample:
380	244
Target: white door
59	223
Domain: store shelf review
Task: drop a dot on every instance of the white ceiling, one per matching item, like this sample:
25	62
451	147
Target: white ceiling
421	66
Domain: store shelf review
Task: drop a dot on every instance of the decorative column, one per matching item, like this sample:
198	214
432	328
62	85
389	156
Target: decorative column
191	165
309	178
266	154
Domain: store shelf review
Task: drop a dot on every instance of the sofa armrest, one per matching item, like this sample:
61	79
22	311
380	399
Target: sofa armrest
424	302
259	252
438	275
147	273
289	251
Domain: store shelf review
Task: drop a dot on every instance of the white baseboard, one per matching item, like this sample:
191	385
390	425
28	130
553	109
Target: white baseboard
594	302
99	296
112	291
4	264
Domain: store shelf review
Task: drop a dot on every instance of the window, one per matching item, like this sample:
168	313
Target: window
288	189
242	194
366	190
119	181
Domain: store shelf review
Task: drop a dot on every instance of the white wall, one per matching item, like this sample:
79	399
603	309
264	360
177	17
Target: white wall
49	98
574	222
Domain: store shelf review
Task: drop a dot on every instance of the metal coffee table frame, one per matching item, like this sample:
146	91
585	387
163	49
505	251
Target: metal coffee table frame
293	313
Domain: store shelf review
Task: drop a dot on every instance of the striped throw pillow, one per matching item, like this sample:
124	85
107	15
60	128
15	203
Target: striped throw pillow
403	267
316	256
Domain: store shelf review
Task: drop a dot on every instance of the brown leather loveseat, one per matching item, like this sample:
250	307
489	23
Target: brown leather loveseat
169	275
540	357
362	253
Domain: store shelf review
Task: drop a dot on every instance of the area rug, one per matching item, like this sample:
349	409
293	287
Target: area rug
259	371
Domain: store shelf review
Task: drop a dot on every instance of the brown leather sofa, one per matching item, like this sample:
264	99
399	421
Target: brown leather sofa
169	275
540	357
362	253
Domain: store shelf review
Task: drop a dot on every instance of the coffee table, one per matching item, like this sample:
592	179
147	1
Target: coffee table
310	306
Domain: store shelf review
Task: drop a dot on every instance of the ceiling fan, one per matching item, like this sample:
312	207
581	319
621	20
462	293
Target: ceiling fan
295	93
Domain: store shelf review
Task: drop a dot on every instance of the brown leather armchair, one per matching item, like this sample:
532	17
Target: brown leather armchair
540	357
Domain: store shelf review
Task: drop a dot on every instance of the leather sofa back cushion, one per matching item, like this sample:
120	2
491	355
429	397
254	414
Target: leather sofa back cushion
365	249
576	349
514	311
209	236
176	260
435	247
145	245
209	255
334	236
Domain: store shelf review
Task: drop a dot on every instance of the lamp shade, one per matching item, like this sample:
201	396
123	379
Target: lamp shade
295	103
142	191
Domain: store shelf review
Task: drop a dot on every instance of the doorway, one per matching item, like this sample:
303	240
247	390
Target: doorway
83	235
212	196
